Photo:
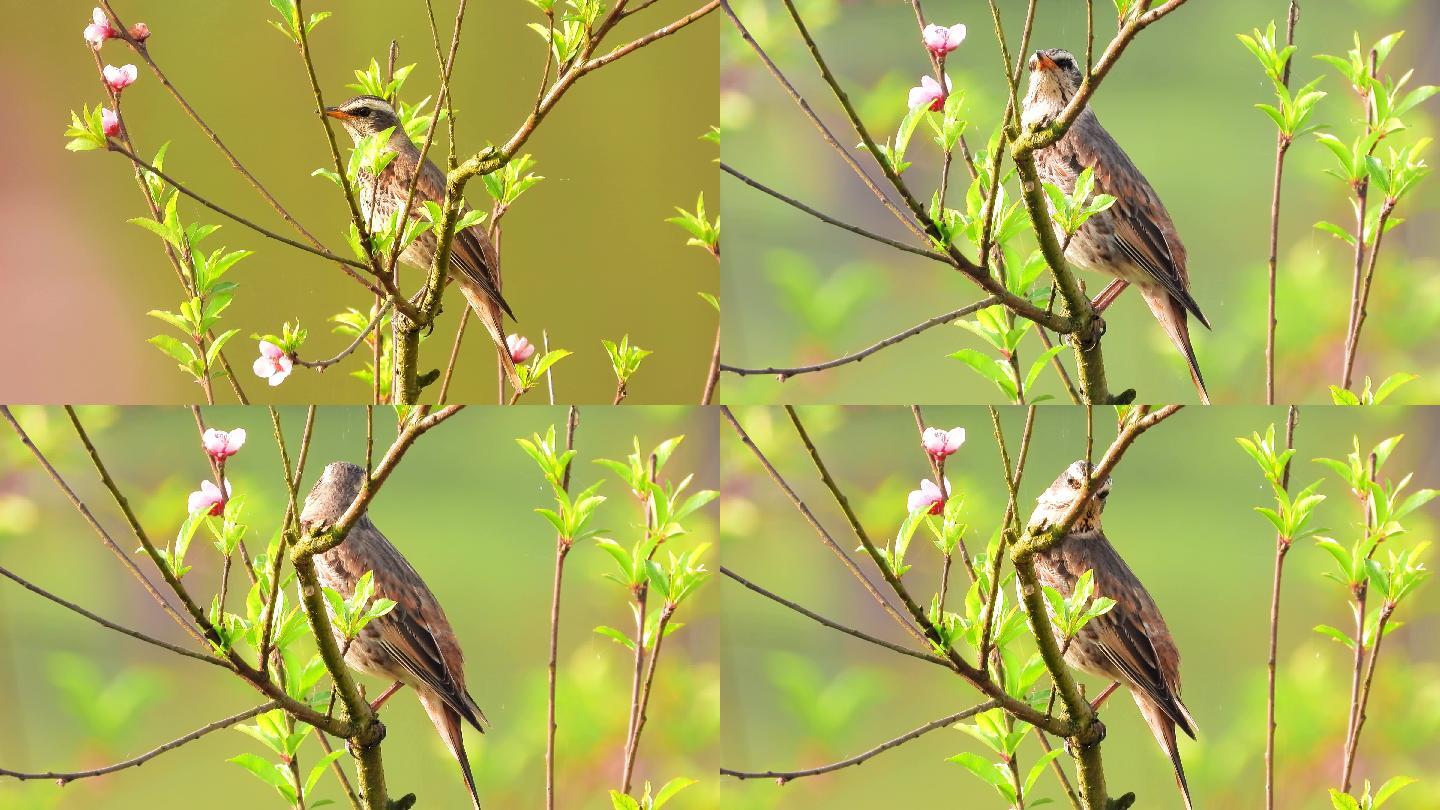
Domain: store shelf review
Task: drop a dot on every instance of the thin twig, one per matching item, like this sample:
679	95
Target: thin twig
1282	146
938	320
833	625
100	531
562	549
1282	547
321	365
103	622
829	220
785	776
63	778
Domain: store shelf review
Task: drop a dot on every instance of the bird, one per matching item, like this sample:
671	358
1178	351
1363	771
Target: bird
1130	643
413	644
1134	240
474	262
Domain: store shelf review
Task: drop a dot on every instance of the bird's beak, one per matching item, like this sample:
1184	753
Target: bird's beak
336	112
1042	62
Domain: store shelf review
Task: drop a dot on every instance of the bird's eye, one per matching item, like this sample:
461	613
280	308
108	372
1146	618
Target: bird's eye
1065	62
363	112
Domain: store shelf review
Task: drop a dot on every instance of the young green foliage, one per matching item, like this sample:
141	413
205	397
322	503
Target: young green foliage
703	233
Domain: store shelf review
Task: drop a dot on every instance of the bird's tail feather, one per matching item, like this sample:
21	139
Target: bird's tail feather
447	722
488	311
1164	730
1171	315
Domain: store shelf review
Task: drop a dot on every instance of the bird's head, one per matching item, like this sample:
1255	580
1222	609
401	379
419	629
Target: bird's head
337	488
1055	77
1056	501
365	115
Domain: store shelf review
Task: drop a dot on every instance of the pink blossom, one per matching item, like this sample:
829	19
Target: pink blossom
927	495
941	443
222	444
273	364
940	40
100	30
121	77
139	32
209	497
929	93
110	122
521	349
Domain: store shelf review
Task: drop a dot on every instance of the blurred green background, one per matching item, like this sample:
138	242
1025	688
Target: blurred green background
798	695
1180	103
459	508
587	254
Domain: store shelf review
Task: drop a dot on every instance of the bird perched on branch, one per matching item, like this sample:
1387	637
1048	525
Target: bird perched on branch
1130	643
413	644
1133	240
474	263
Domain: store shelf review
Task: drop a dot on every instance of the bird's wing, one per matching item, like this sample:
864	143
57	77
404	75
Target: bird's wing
472	253
1133	634
419	637
1144	231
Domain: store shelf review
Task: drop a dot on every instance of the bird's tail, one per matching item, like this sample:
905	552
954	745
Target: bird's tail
1171	315
1163	727
490	314
447	722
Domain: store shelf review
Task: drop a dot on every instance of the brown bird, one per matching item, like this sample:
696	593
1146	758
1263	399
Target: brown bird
1130	643
1134	240
474	264
413	644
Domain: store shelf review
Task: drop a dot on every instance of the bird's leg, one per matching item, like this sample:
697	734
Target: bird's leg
384	696
1104	696
1108	295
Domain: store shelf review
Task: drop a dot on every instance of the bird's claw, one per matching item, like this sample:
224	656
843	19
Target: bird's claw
1122	803
408	801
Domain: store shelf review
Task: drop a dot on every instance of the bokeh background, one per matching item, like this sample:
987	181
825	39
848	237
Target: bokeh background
76	696
587	252
798	695
1180	102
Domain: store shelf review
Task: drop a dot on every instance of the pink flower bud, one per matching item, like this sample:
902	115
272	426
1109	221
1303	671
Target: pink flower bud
110	122
99	30
940	40
929	93
941	443
928	495
273	364
121	77
208	497
139	32
520	348
222	444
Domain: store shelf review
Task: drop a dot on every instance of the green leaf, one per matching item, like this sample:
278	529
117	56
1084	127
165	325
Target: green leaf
319	770
618	800
668	791
1390	788
1335	633
616	636
1039	767
1343	801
